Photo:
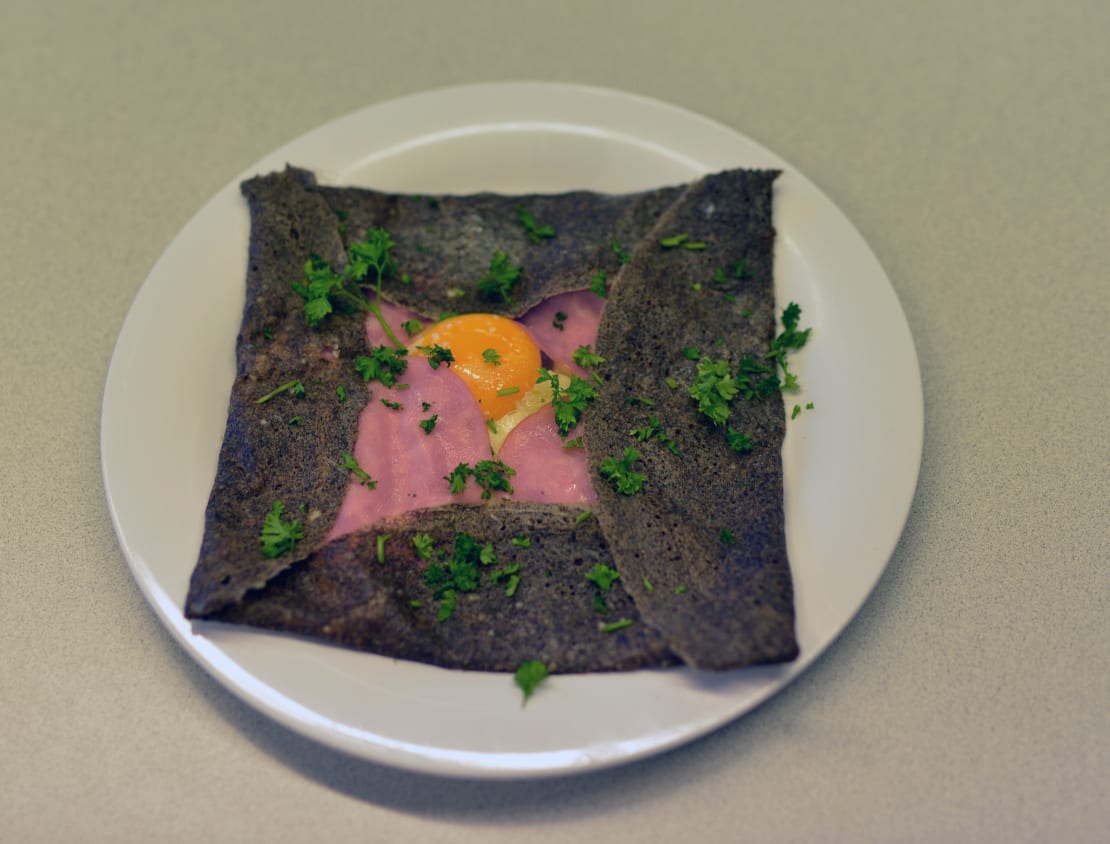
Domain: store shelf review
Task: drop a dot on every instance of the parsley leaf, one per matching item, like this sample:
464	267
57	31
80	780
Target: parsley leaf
383	363
597	284
324	289
457	479
350	464
622	256
493	475
423	544
461	573
528	677
568	402
492	357
521	541
437	355
738	442
585	358
279	536
654	430
412	326
789	340
619	472
536	233
603	576
497	284
713	389
727	536
429	424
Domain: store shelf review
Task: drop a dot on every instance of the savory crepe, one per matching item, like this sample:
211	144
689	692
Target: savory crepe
690	567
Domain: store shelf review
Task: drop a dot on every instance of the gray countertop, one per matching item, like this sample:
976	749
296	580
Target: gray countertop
967	142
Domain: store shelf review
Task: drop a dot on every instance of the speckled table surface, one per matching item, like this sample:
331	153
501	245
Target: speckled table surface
967	142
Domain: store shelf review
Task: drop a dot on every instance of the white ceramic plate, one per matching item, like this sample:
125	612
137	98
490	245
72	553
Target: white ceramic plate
851	463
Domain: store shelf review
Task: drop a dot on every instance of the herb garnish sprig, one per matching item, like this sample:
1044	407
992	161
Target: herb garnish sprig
323	289
497	284
278	535
568	402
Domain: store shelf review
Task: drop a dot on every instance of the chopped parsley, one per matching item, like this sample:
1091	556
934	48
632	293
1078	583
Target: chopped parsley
324	290
437	355
392	405
428	425
614	626
582	517
461	573
497	284
727	536
789	340
680	589
382	537
423	544
296	420
619	472
492	357
349	464
508	391
796	412
622	256
654	431
341	391
603	576
597	284
456	481
521	541
671	382
279	536
510	575
682	240
294	388
536	233
690	353
737	441
569	402
528	677
575	443
412	326
491	475
586	358
560	318
383	364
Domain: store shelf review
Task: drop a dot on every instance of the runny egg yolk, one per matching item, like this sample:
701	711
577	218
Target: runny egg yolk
494	356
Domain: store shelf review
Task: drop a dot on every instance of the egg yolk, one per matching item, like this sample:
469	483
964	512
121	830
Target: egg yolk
494	356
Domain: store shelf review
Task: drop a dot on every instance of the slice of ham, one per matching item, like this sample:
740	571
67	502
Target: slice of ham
409	465
583	313
546	472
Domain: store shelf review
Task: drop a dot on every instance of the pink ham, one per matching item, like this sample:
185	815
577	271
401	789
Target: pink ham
408	464
583	310
546	472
